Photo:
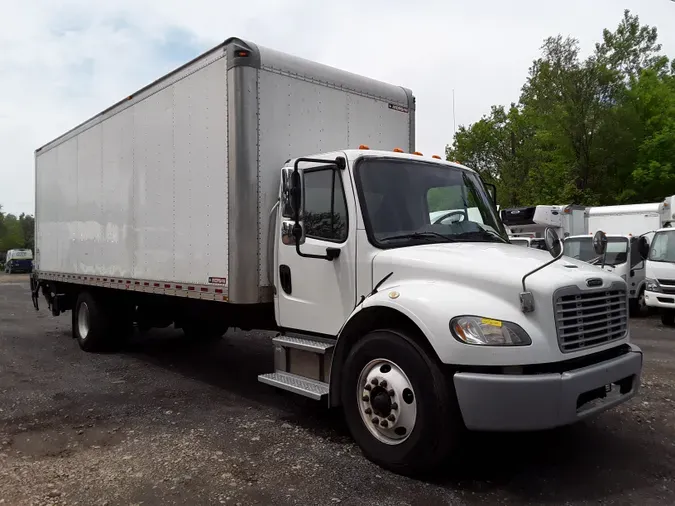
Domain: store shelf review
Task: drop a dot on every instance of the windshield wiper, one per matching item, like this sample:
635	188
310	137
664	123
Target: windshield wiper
418	235
482	234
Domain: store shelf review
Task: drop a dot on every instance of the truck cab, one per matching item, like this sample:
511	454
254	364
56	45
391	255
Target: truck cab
463	328
660	275
621	258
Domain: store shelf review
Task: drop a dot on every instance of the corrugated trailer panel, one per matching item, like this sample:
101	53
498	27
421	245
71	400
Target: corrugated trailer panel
141	191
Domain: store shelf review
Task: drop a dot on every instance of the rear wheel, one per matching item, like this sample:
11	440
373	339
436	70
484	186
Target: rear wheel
90	323
398	404
668	317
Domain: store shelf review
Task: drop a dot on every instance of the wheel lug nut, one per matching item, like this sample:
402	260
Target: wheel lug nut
365	398
376	420
391	392
384	423
368	387
374	381
383	384
394	405
368	411
391	418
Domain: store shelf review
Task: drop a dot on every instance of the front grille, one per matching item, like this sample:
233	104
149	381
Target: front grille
590	318
670	282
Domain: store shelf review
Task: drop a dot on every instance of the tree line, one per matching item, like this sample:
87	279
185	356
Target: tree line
598	130
16	232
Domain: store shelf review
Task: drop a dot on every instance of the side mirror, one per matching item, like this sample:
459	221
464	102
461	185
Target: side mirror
296	195
643	248
553	244
285	201
600	242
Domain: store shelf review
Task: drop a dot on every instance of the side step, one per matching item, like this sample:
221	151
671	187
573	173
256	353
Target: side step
299	343
313	389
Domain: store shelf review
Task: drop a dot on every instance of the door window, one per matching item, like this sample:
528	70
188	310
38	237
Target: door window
325	209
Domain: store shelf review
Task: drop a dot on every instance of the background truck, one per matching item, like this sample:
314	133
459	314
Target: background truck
225	195
624	225
534	220
660	275
18	260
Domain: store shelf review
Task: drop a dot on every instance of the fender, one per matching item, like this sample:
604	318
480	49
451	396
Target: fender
429	306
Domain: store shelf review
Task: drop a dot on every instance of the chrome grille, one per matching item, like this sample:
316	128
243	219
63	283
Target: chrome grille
587	319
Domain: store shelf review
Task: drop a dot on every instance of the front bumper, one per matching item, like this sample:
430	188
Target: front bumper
658	299
504	402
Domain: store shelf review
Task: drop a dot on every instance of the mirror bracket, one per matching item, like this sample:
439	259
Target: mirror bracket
527	297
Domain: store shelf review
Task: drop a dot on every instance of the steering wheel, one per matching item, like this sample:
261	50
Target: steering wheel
448	215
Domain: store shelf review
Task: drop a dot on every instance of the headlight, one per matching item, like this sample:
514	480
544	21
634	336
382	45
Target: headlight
652	285
488	332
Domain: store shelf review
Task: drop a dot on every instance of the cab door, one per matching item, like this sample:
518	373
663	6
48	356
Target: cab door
316	295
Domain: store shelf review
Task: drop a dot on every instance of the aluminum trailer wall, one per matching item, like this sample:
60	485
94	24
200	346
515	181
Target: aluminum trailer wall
174	185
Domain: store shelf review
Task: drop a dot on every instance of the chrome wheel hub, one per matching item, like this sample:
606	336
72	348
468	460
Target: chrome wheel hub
387	402
83	320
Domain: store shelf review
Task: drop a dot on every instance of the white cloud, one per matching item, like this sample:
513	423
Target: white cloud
62	62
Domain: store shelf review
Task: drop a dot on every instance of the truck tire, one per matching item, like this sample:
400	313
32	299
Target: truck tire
638	307
668	317
409	422
90	323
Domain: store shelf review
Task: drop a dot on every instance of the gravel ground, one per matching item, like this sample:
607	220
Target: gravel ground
168	422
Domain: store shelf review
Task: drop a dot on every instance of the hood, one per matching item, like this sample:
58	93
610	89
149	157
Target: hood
501	266
660	270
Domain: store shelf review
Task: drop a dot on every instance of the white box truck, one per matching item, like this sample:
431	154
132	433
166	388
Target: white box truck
226	195
532	221
624	225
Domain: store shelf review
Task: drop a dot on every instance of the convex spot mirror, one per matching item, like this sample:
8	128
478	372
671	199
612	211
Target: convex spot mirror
643	248
600	242
553	244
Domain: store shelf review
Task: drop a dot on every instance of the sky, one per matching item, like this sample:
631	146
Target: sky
62	62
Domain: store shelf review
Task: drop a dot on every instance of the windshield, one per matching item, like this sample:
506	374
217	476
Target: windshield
582	249
408	202
663	247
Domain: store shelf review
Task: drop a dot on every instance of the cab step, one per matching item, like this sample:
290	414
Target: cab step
313	389
299	343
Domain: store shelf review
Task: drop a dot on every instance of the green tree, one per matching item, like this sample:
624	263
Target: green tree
591	131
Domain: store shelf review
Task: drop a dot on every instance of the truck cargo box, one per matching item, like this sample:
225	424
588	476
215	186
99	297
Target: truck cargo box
170	190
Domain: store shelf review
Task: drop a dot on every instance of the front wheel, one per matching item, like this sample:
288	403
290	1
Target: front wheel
638	306
399	406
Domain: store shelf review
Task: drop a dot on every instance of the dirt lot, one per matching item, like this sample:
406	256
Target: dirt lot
167	422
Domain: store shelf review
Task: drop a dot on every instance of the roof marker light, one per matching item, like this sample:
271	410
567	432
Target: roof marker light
436	157
363	146
397	150
418	153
